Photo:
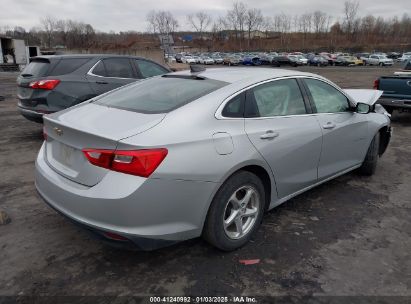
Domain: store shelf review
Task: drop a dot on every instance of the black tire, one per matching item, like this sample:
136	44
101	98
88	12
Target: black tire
381	64
214	231
369	165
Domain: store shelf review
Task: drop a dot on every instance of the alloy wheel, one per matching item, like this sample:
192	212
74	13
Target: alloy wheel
241	212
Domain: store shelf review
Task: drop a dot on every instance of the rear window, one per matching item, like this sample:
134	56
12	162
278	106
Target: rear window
36	68
69	65
159	94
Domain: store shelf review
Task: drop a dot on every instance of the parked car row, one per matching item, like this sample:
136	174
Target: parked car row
292	59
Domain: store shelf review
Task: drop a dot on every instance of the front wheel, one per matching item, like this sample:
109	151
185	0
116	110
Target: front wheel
369	165
235	212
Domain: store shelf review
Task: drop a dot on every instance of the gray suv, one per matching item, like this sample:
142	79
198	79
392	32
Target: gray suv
53	83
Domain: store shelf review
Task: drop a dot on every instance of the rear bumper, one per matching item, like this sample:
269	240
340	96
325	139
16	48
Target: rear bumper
151	213
395	103
31	114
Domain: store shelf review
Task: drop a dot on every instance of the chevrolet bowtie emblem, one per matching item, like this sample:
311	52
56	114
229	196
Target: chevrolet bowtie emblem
58	131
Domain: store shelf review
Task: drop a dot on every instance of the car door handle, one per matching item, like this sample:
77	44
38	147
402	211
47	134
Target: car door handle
101	82
329	125
269	135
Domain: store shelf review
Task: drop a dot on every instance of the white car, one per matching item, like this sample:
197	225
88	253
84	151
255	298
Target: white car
380	60
405	57
206	60
218	59
302	59
188	59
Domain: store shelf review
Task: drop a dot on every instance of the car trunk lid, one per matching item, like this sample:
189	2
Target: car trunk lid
89	126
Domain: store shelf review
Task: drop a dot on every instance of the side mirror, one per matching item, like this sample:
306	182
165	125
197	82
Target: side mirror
362	108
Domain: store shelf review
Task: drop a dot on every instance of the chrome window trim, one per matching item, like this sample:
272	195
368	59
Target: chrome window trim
218	114
92	74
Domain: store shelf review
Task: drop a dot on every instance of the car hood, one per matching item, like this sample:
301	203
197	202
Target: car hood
364	95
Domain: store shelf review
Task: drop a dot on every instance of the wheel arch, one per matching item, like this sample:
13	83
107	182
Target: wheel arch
385	136
261	170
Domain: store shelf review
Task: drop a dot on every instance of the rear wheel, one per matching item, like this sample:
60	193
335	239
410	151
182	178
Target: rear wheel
381	64
369	165
235	212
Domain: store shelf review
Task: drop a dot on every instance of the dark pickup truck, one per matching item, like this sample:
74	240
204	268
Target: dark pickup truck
397	90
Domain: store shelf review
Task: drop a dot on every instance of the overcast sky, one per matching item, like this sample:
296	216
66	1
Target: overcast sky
124	15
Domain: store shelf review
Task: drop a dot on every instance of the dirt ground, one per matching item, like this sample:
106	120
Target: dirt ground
348	237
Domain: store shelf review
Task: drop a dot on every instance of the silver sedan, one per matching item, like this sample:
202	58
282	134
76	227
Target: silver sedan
203	153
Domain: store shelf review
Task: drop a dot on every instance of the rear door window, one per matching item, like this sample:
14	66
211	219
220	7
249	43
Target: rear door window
159	94
119	68
67	66
276	98
150	69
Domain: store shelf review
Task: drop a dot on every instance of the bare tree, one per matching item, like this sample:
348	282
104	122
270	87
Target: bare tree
236	19
282	24
319	20
267	25
254	20
305	25
49	26
200	22
350	16
162	22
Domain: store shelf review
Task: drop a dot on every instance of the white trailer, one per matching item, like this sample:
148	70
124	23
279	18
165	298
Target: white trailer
13	52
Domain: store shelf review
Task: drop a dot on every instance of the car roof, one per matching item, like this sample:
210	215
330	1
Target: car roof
244	75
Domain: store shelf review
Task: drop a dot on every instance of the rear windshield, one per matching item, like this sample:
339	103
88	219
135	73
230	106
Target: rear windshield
66	66
159	94
35	68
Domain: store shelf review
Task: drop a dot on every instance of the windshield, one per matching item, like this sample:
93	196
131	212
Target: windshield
169	93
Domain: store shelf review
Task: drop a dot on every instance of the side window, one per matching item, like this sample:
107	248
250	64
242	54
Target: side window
150	69
118	67
69	65
99	69
277	98
326	98
235	107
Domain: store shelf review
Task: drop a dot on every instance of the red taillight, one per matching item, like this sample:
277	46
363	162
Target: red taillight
376	84
136	162
45	84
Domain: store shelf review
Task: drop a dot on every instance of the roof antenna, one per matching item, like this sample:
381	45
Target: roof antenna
196	68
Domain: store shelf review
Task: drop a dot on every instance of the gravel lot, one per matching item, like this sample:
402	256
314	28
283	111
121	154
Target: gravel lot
350	236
